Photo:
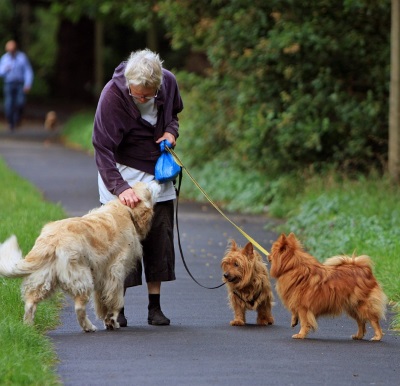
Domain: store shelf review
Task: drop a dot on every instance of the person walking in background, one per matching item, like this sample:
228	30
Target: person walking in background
136	111
17	72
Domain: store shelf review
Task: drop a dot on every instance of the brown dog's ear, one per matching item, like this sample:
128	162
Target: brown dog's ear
293	242
248	250
233	245
282	242
281	239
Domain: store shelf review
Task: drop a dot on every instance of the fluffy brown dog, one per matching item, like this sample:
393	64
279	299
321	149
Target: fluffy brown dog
248	285
81	255
310	289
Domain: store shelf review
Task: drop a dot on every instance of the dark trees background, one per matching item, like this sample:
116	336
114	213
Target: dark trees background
274	86
74	75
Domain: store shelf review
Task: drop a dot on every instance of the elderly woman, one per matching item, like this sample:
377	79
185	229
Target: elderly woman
137	110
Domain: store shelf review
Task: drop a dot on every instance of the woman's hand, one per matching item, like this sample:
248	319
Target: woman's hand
169	137
129	198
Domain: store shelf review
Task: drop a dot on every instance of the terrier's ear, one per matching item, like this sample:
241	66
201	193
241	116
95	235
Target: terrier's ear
233	245
248	250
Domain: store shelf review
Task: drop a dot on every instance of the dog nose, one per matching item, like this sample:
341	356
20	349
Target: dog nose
226	275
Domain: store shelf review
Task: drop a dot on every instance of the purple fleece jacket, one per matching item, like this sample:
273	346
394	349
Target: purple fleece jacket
121	135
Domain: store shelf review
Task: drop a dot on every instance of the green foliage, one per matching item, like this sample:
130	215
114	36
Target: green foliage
77	132
240	192
42	51
138	14
27	356
6	13
291	84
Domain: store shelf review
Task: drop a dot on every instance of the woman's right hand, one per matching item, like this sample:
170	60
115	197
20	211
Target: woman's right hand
129	198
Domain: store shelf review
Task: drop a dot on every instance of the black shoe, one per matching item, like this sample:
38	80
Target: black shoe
157	318
121	318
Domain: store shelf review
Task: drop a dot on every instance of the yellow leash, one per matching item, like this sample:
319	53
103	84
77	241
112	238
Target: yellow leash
249	238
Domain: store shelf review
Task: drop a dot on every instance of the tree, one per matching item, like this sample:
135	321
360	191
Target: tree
394	113
293	85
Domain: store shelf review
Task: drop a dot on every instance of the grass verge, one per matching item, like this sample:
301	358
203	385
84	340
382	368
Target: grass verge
27	356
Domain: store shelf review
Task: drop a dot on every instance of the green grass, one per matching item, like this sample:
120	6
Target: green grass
77	132
26	356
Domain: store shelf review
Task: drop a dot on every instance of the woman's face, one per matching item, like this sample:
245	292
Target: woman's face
142	94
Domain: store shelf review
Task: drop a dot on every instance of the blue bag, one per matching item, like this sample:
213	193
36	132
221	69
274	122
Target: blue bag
166	167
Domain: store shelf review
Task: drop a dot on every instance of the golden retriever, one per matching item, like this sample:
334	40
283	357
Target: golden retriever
84	255
310	289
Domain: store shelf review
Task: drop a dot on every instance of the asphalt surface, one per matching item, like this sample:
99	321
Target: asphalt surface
199	347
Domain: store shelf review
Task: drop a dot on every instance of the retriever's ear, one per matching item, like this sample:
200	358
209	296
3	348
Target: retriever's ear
155	190
142	215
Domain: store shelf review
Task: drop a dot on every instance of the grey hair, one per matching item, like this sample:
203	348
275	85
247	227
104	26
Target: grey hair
144	68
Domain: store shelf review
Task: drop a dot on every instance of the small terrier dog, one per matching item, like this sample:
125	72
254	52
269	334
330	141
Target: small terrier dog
310	289
50	122
248	285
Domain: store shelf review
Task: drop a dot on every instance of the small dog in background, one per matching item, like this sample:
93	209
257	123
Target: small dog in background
310	289
50	122
248	284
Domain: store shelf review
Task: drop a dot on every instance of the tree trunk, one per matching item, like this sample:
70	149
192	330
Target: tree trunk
98	57
24	13
394	109
152	35
74	75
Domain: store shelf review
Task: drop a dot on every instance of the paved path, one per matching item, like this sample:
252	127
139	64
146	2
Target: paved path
199	348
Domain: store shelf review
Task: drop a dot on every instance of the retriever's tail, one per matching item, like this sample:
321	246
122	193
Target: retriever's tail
12	263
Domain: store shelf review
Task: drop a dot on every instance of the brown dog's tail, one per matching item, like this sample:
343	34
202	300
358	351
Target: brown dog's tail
360	261
12	263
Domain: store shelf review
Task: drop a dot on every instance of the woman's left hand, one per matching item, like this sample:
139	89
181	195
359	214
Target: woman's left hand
169	137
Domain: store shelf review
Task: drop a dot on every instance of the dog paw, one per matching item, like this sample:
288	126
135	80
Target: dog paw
298	336
111	324
237	323
376	338
92	328
265	322
357	337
